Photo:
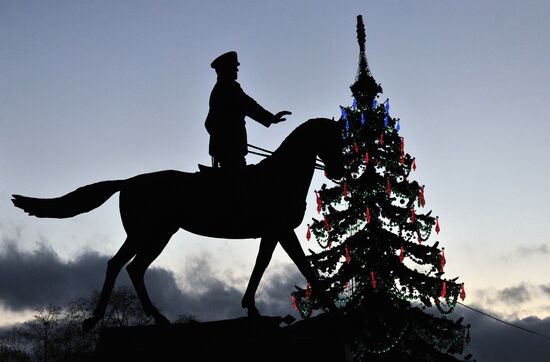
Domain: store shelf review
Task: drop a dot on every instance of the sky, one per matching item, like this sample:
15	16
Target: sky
92	91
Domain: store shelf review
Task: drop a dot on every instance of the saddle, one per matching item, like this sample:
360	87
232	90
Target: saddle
207	169
220	173
212	171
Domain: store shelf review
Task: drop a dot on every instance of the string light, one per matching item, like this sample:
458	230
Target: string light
391	345
375	213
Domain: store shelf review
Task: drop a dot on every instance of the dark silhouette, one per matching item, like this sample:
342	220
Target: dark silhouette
241	339
225	123
229	105
265	200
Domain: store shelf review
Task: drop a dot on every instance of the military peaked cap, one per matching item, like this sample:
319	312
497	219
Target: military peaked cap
225	60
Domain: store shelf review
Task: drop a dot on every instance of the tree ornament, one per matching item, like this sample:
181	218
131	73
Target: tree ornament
414	165
354	105
382	138
421	199
386	121
348	257
443	261
444	289
419	239
347	126
374	104
345	189
327	225
355	147
319	202
387	106
373	279
368	215
366	158
402	159
437	228
398	126
413	215
462	293
308	291
362	118
308	233
294	305
401	254
388	186
344	114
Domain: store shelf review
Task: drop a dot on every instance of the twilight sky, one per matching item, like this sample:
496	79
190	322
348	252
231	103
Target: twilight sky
101	90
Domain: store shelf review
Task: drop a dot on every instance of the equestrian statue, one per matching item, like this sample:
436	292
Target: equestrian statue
266	201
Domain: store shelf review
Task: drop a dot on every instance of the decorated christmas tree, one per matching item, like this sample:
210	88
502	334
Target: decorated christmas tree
376	251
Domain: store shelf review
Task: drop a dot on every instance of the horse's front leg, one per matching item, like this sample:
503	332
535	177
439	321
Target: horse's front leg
125	253
290	243
267	246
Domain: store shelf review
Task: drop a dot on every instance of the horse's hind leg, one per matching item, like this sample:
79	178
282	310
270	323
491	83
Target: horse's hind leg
290	243
123	255
149	250
267	246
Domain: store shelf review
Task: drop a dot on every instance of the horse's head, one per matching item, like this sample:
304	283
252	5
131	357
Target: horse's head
331	148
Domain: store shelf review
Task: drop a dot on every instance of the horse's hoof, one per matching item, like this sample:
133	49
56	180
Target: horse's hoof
161	320
253	312
89	323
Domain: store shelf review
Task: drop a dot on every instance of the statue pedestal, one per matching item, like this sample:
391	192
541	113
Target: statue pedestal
241	339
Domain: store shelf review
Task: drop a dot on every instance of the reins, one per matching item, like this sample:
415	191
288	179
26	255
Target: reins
318	163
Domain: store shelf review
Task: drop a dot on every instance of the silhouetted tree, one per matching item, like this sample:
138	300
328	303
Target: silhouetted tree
124	309
55	334
376	255
13	347
185	318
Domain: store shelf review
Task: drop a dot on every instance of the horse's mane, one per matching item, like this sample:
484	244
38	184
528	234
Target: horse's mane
301	138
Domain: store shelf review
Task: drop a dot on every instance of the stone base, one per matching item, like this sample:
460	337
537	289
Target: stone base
241	339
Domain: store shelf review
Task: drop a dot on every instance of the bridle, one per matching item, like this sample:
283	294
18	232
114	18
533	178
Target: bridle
254	150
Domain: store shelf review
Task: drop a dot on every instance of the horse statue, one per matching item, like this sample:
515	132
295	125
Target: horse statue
266	200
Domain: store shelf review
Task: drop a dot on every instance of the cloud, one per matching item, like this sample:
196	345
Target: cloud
541	249
32	279
527	251
274	292
515	295
545	289
29	280
493	341
40	277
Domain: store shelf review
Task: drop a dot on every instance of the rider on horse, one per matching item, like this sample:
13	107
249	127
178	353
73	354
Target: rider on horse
229	105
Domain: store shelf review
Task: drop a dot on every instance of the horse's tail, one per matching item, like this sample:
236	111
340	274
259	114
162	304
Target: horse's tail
81	200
